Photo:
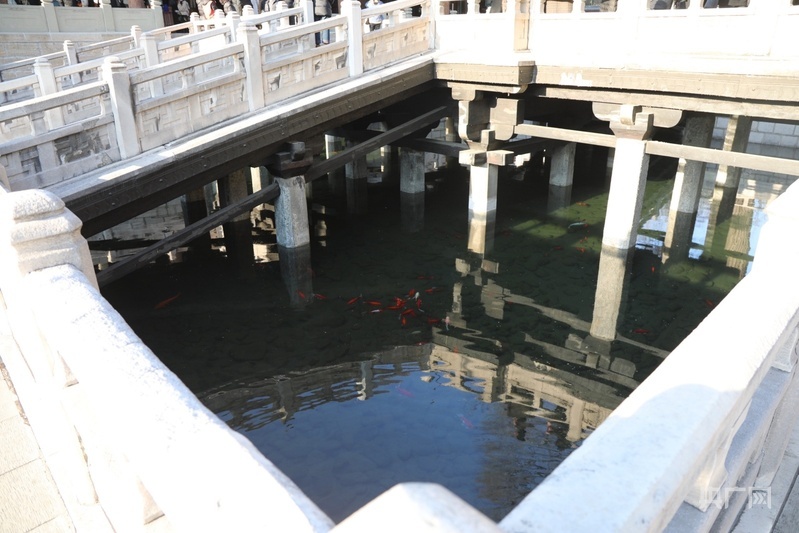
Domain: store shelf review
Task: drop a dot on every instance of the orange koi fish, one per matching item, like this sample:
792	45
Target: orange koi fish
403	321
709	303
320	296
431	290
583	204
162	304
399	301
374	303
419	303
301	294
353	300
433	321
394	307
411	293
641	331
410	312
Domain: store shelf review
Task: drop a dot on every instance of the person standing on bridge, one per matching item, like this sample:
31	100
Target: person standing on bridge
375	21
322	10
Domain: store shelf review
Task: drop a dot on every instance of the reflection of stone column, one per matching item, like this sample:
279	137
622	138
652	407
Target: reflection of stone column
738	239
238	231
574	418
632	128
687	190
561	176
727	180
366	384
412	189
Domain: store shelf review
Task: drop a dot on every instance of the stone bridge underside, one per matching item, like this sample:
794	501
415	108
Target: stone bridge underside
575	104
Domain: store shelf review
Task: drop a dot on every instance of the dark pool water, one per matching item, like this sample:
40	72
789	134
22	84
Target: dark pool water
349	402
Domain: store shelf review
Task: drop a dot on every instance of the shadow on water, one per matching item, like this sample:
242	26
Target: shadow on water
413	358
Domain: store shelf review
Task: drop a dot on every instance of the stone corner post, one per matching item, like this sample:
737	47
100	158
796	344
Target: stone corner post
115	73
50	16
352	10
248	36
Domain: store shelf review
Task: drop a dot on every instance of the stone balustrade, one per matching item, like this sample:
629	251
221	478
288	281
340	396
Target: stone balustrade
50	18
83	114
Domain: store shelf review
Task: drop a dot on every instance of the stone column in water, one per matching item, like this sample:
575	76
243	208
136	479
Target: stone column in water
687	189
356	185
412	189
195	209
561	176
291	221
238	231
335	178
482	200
628	181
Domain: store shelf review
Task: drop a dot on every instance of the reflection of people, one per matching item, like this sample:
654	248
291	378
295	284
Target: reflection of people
375	21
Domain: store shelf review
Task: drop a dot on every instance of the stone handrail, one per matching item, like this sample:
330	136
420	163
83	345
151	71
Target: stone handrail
689	431
209	84
48	18
145	445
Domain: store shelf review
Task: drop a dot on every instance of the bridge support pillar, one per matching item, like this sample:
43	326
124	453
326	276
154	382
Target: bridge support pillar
335	178
238	231
482	199
628	181
561	176
356	185
294	239
687	190
412	189
195	208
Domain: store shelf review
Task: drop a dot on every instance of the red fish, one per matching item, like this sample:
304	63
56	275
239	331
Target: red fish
353	300
161	305
394	307
419	303
403	321
433	321
399	301
431	290
583	204
411	293
410	312
466	422
404	392
301	294
320	296
374	303
581	250
641	331
709	303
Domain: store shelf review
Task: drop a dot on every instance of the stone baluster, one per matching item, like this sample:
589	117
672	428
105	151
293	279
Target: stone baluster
473	7
48	85
135	32
283	22
151	58
246	12
232	20
108	15
248	36
307	12
352	10
50	16
115	74
71	53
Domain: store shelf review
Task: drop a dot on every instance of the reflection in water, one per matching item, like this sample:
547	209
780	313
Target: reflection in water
496	352
488	431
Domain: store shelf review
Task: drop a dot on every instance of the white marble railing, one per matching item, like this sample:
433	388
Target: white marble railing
127	431
49	18
84	114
